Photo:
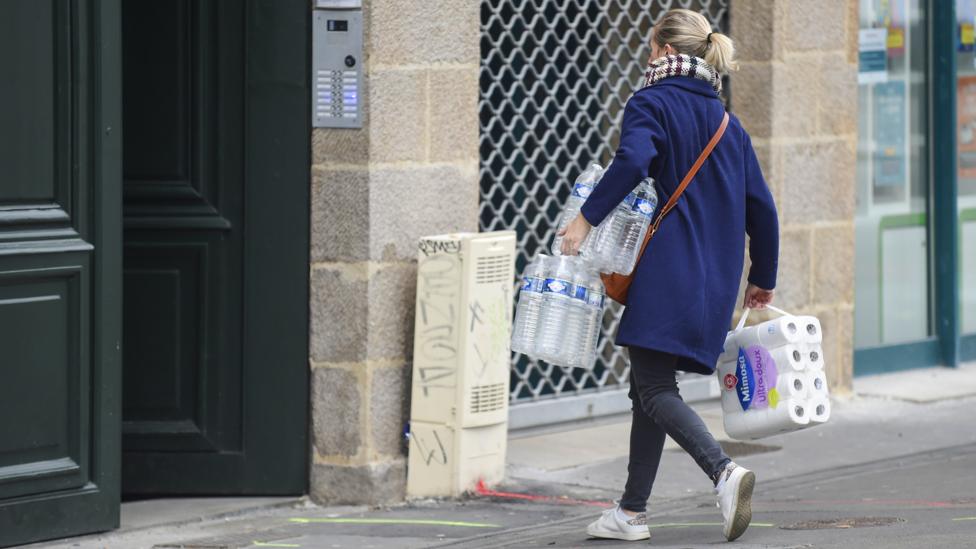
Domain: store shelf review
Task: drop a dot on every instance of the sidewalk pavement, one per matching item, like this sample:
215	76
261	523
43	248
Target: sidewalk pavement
895	467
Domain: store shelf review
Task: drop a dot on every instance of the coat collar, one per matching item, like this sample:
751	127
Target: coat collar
689	83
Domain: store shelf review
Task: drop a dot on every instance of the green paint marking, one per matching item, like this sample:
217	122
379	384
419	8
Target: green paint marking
394	521
688	524
965	518
263	544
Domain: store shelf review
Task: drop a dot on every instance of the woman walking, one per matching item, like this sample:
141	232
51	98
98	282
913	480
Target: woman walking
684	288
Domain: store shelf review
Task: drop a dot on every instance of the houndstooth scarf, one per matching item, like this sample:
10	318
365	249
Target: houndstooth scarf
681	65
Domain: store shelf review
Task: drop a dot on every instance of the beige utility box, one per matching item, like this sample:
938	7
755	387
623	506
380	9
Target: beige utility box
461	362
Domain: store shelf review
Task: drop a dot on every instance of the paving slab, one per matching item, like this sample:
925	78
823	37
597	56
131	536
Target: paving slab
922	385
156	512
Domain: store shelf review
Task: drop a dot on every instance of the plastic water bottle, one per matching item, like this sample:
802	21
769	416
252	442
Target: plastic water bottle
589	295
560	322
584	185
634	217
529	310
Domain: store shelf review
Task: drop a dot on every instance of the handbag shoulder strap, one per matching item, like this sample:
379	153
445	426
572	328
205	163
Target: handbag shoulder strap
673	201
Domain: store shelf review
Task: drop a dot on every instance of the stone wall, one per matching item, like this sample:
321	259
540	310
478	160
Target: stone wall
796	94
412	170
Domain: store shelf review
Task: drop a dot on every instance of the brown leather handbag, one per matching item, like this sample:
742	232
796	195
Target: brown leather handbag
618	285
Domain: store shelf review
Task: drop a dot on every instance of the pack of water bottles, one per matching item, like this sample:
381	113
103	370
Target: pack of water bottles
560	310
613	245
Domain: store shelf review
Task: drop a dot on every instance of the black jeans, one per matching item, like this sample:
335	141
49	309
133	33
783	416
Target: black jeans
658	410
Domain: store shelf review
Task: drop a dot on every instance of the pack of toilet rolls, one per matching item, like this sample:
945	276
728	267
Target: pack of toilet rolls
771	376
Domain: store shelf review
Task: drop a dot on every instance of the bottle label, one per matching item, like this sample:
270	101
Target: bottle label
595	299
558	286
629	200
582	190
532	284
581	293
644	207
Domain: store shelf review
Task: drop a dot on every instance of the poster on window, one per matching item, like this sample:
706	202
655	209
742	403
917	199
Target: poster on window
872	61
964	22
966	125
889	134
893	18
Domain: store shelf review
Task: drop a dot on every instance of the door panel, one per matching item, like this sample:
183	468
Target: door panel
44	333
60	251
185	260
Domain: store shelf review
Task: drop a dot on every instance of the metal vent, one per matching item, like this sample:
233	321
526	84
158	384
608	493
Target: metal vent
555	75
488	398
493	268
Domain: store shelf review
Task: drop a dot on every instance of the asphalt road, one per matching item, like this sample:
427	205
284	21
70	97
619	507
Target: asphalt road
924	500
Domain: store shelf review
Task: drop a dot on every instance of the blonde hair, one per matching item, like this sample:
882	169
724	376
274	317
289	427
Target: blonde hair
688	32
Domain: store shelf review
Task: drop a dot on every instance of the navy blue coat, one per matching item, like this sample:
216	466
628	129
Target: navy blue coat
685	288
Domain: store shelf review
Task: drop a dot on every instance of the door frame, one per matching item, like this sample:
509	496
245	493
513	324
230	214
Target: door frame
277	172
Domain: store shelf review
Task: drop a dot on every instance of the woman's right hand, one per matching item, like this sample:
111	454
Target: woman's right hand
756	297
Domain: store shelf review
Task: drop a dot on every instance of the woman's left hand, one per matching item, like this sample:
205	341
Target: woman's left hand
573	235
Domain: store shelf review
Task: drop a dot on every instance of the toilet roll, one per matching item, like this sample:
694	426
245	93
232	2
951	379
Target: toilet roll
772	333
819	409
817	383
813	356
730	350
788	358
730	402
810	330
788	415
792	385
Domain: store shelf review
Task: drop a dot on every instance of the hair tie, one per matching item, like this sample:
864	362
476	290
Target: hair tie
709	37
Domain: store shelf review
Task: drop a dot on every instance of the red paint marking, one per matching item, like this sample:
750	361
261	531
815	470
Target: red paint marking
483	490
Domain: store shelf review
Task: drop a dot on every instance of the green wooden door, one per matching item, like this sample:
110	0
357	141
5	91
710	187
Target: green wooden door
215	389
60	244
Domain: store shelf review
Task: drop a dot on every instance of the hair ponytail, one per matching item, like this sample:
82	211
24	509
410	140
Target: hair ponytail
688	32
720	53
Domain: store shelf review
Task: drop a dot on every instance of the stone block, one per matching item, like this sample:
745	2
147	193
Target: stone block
453	124
793	276
408	203
371	484
797	90
842	380
338	303
752	97
423	32
818	181
752	28
398	115
853	31
833	265
837	114
336	406
819	25
340	215
769	164
389	409
392	298
341	145
838	348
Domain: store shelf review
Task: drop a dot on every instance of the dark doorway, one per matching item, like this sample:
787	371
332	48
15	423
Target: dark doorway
216	171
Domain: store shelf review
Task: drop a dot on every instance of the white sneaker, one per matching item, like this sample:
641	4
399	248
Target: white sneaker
611	526
735	499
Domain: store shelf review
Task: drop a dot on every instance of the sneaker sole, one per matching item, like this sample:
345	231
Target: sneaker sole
743	506
618	535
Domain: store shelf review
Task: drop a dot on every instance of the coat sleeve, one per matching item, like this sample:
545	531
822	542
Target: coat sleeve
762	223
641	136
